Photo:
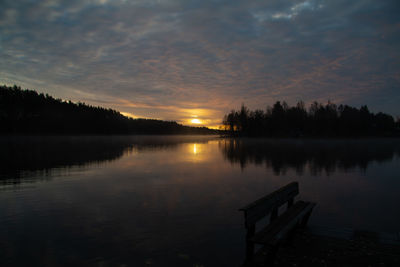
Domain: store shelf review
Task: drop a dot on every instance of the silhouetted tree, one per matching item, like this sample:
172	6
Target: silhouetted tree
320	120
27	112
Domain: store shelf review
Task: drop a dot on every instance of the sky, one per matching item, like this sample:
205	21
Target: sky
187	60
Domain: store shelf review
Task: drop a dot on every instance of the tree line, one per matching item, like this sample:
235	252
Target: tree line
282	120
28	112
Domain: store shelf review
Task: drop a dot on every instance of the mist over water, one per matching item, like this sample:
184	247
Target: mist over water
173	201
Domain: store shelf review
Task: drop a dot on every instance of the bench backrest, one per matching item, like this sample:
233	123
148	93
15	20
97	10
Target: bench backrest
270	203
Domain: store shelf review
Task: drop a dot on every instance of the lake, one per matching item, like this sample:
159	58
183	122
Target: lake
174	200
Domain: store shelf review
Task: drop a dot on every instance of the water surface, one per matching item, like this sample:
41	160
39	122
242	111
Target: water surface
173	201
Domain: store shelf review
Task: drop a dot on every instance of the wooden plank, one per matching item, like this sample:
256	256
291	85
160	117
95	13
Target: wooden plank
293	186
278	229
305	212
266	235
263	206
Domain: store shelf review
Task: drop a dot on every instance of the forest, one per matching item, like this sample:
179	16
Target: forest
28	112
319	120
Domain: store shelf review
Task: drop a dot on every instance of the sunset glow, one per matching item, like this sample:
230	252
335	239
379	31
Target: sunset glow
195	121
169	60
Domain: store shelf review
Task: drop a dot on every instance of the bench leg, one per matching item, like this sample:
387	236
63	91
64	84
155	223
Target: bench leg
291	235
271	255
250	245
249	251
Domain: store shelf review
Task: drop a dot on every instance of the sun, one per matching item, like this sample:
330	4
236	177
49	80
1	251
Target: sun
195	121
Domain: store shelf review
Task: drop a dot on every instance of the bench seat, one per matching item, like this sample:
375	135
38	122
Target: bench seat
280	227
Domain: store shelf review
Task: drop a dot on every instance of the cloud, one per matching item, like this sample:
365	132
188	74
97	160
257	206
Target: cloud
289	12
171	58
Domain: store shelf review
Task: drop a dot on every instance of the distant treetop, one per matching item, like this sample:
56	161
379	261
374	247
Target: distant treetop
27	112
327	120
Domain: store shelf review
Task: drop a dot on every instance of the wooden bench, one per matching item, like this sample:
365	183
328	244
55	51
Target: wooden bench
280	226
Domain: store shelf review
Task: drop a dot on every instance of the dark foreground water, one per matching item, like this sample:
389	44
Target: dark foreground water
173	201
